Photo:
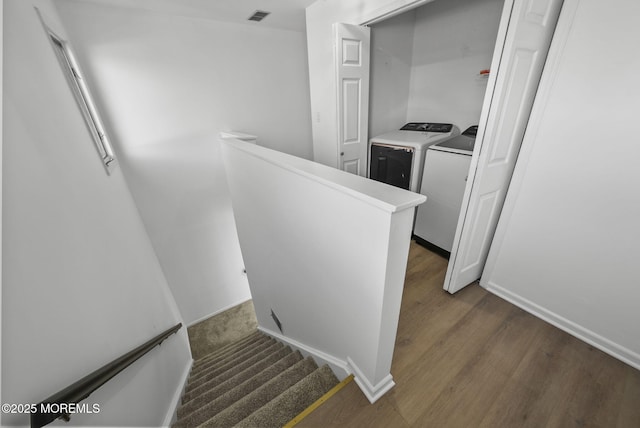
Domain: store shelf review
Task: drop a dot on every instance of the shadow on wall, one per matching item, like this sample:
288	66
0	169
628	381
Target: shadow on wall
181	191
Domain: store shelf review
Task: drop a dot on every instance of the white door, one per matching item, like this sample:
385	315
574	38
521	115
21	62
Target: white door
515	73
352	70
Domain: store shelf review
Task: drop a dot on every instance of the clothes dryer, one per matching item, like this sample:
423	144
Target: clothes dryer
397	157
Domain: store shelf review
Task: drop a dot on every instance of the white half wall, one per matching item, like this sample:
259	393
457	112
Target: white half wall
81	284
326	252
167	85
566	246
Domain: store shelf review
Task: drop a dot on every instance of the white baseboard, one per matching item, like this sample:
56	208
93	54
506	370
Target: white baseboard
615	350
372	392
172	415
340	368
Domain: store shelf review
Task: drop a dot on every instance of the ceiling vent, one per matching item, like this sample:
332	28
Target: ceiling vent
258	15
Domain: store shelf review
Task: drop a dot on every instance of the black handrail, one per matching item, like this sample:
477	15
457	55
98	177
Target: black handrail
44	412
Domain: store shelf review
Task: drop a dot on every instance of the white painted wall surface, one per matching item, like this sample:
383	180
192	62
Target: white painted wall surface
453	41
167	85
321	15
566	247
391	59
326	251
81	283
425	64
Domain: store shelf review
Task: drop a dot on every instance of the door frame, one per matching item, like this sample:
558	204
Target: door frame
1	162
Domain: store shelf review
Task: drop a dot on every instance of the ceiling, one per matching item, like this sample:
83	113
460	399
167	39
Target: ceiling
285	14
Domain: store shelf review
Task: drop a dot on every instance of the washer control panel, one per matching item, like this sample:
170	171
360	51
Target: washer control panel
427	127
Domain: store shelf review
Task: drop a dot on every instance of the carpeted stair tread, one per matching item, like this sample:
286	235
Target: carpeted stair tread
232	354
235	358
205	412
222	359
214	377
262	395
238	378
229	347
293	401
253	382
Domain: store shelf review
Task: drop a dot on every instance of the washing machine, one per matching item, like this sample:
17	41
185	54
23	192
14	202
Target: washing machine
446	168
397	157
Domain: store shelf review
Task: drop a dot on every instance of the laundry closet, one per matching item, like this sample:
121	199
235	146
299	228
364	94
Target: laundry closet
428	76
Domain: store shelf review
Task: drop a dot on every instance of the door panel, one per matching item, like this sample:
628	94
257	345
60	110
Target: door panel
352	70
351	111
516	70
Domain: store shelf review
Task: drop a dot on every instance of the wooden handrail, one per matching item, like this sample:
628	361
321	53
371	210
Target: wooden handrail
81	389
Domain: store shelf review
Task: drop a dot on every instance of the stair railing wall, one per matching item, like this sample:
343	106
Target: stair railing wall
55	406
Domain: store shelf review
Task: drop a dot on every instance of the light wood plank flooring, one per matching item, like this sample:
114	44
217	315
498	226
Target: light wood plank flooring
475	360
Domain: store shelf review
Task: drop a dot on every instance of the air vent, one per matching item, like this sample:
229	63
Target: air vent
276	320
258	15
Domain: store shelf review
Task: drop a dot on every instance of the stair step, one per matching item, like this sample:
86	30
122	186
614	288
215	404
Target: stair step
293	401
211	379
231	354
205	412
237	379
230	347
261	396
235	358
253	382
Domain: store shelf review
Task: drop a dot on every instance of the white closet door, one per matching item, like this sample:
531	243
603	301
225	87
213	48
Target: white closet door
352	44
510	94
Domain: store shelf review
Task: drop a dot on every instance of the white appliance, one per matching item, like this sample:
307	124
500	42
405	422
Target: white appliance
446	168
397	157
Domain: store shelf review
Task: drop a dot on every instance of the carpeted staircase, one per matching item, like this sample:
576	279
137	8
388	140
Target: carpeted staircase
254	382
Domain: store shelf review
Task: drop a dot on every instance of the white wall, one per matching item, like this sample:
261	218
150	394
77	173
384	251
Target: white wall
453	41
327	252
167	85
321	15
425	64
390	77
566	246
81	283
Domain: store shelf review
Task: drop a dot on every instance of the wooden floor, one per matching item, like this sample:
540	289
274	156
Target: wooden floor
475	360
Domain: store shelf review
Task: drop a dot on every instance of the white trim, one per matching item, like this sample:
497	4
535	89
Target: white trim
172	415
372	392
218	312
396	8
1	161
615	350
231	135
340	367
